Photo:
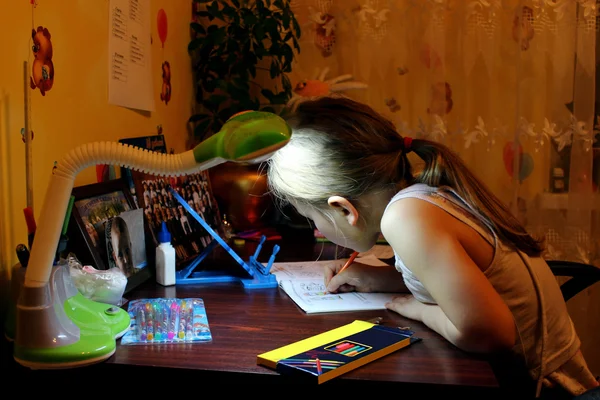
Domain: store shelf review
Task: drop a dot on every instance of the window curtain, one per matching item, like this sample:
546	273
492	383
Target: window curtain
507	84
510	85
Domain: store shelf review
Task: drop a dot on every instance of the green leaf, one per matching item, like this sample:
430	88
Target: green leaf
286	17
285	81
231	14
259	32
210	84
196	27
241	83
236	3
269	109
296	26
220	35
274	70
200	130
198	117
217	99
280	98
216	126
268	94
249	19
203	14
252	70
195	43
288	55
213	9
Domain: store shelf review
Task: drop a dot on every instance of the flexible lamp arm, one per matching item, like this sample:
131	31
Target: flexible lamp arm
62	181
250	137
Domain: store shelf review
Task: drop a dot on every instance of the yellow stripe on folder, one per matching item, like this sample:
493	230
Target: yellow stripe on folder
270	359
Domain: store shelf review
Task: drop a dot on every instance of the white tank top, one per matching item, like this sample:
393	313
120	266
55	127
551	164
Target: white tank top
547	341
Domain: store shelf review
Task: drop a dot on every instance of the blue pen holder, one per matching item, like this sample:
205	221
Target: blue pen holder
258	276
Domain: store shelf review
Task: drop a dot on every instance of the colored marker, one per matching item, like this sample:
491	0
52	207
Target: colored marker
141	324
351	349
189	326
182	320
343	346
158	321
31	225
23	254
173	310
68	215
149	321
319	369
355	352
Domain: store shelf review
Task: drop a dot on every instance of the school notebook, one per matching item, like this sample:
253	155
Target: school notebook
338	351
304	283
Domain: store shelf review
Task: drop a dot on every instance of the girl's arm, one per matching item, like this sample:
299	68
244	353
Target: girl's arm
469	312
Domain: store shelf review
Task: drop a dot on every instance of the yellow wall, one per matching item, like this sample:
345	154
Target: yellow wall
76	110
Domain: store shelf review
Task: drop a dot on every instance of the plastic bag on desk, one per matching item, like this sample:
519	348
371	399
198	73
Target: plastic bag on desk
104	286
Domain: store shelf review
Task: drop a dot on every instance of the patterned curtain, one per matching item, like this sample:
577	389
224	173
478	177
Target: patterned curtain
508	84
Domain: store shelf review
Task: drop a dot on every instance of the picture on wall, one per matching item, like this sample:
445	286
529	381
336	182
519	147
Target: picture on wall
160	205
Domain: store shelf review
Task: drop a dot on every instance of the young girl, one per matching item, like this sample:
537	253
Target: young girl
474	274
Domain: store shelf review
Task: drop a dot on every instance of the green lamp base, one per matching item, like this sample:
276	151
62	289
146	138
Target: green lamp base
68	331
92	347
92	315
100	325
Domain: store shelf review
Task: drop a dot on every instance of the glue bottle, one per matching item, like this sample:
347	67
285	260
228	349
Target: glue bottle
165	258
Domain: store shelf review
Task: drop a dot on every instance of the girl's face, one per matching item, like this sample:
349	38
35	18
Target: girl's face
338	230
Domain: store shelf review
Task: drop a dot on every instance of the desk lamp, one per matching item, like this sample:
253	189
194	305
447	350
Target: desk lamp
57	327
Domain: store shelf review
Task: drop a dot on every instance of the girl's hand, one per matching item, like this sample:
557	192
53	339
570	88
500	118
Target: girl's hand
407	306
363	278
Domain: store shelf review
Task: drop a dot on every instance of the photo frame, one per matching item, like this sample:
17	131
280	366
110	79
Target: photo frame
187	235
90	234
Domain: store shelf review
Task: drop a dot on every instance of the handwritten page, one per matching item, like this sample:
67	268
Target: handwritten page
129	55
304	283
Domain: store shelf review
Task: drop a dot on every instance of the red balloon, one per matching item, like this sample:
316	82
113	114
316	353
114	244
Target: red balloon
161	24
508	156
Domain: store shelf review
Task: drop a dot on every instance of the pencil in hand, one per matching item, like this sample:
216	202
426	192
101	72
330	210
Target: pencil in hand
349	262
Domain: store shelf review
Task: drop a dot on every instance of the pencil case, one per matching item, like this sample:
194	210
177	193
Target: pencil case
166	321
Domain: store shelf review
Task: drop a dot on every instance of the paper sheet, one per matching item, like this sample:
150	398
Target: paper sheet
304	283
129	55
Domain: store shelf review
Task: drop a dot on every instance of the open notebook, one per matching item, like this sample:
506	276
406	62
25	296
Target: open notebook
304	282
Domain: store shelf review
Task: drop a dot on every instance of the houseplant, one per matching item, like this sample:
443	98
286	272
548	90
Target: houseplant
241	52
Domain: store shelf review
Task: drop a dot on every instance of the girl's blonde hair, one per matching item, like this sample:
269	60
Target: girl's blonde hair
340	147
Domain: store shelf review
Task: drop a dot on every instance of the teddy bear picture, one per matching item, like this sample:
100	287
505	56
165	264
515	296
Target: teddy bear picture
165	94
42	74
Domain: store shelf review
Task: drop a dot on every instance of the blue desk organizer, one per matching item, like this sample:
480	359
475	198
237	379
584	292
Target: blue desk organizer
259	276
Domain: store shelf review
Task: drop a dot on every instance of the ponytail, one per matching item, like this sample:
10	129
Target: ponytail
444	168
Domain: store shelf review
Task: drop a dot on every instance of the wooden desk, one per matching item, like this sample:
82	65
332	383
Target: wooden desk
245	323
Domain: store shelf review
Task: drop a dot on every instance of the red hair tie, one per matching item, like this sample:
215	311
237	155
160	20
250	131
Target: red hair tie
407	144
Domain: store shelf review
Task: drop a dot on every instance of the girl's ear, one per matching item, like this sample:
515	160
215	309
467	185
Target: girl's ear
345	208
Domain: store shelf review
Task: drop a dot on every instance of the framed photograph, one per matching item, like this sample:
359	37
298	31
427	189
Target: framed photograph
105	230
187	235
